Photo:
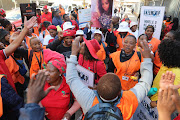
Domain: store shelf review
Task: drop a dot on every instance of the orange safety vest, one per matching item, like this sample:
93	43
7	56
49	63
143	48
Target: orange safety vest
14	70
36	30
124	70
46	33
37	62
101	54
62	11
128	104
1	103
121	40
28	40
157	63
154	44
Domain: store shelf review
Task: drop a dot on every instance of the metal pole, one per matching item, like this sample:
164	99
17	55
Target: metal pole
162	2
2	3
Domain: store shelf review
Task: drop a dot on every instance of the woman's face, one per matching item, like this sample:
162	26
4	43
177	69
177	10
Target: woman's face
149	32
7	37
105	5
82	48
68	40
169	35
143	37
129	44
53	75
53	33
98	37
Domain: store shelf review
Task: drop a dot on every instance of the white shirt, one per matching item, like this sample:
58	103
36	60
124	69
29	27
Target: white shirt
46	39
136	33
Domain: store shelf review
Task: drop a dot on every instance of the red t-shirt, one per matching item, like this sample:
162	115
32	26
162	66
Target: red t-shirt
47	16
38	19
4	69
56	103
94	66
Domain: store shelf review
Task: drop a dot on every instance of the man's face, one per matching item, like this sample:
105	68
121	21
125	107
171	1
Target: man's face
66	18
45	11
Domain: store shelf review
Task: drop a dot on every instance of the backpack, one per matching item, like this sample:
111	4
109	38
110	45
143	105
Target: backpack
104	111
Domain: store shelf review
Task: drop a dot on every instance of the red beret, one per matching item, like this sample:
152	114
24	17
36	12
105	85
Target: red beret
69	33
2	11
45	7
53	27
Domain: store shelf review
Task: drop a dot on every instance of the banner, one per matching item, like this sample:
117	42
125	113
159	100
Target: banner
145	112
28	10
84	17
101	13
151	15
85	75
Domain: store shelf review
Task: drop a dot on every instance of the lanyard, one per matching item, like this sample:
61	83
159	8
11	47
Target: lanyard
39	62
127	67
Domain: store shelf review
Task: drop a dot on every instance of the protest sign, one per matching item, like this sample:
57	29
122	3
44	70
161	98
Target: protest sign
28	10
145	112
101	14
85	75
84	17
151	15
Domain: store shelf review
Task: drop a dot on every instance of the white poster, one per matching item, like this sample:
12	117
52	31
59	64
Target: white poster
84	17
145	112
85	75
151	15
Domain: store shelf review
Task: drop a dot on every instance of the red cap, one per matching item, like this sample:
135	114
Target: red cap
2	11
53	27
69	33
45	7
93	47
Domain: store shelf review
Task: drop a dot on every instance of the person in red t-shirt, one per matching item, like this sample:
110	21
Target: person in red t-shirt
38	16
47	15
57	102
73	22
2	13
12	47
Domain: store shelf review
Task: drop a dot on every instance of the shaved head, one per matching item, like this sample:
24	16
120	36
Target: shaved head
109	86
115	19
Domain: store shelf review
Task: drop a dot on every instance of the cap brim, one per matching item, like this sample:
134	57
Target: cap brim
90	48
122	30
70	27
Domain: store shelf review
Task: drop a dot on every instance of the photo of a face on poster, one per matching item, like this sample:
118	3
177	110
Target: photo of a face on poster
101	13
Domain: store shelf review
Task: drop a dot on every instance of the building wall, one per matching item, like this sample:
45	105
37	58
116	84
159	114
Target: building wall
8	4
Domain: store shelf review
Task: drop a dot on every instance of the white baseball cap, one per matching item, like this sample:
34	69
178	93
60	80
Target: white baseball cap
80	32
68	25
98	32
123	27
133	23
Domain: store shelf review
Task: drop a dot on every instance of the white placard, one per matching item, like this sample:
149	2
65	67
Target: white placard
84	17
85	75
145	112
151	15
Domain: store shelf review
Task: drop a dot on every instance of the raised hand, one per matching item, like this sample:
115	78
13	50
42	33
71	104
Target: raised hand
75	46
36	87
167	79
60	35
30	23
165	103
146	52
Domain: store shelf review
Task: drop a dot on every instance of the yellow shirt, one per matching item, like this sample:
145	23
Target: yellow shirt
157	79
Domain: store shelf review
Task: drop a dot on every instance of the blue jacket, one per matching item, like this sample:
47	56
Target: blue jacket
57	21
32	111
12	102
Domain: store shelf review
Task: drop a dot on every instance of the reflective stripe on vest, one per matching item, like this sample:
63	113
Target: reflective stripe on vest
124	70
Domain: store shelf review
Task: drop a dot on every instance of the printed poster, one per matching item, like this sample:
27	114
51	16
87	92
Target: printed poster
101	13
84	17
152	15
86	75
145	112
28	10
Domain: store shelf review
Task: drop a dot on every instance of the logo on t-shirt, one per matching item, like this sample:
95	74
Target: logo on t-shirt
64	94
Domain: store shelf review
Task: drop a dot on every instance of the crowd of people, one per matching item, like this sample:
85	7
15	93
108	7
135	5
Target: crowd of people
41	58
